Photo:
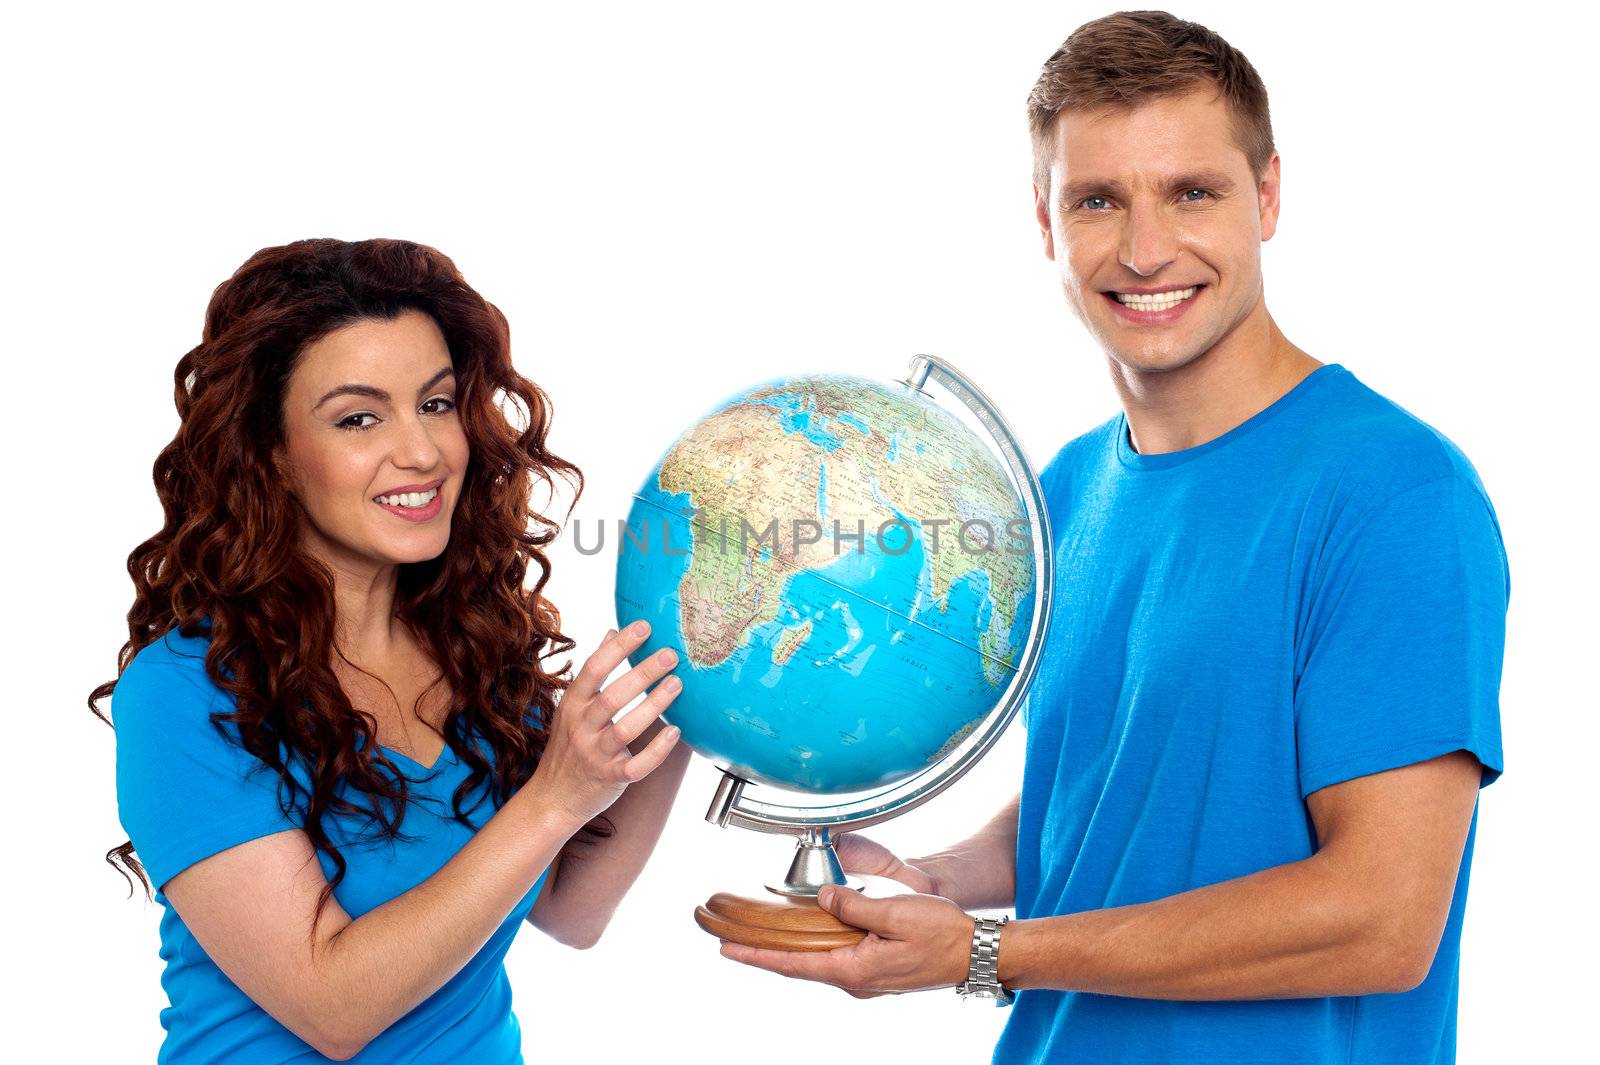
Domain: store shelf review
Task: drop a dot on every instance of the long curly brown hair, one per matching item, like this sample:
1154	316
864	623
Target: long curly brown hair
228	553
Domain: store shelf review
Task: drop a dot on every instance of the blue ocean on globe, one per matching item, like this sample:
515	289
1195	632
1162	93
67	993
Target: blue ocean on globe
844	570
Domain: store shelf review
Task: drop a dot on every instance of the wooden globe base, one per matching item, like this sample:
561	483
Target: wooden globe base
775	924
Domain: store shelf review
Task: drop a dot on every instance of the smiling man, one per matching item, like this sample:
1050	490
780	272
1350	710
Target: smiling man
1270	692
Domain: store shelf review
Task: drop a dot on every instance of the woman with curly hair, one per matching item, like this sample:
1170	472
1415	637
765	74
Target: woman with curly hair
332	654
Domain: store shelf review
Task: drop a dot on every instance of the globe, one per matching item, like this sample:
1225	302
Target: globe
846	573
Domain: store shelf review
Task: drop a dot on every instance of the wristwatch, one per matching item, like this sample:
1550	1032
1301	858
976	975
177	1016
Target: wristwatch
983	972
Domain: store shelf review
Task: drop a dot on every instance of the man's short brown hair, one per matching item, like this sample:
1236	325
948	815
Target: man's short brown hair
1125	59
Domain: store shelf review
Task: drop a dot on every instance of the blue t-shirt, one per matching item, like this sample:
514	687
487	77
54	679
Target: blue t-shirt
185	793
1318	594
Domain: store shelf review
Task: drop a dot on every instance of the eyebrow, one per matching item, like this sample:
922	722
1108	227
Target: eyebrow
378	393
1199	179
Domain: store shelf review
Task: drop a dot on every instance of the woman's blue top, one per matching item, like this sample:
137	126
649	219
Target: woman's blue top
184	793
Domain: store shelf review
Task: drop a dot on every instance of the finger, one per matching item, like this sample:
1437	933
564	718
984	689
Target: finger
861	854
854	908
589	677
631	726
621	692
649	760
825	966
612	650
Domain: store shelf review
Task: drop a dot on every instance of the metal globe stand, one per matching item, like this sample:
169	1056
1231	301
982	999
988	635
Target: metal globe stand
815	863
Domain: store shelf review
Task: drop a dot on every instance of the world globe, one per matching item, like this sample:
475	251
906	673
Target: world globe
846	573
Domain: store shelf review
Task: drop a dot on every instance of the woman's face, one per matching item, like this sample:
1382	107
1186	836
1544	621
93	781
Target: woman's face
372	430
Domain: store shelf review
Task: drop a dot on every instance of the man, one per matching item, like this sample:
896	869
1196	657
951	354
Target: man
1270	691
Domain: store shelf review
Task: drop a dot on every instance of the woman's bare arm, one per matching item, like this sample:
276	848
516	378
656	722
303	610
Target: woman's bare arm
590	879
250	907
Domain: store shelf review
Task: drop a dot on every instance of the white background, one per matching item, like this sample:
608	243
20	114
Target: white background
671	202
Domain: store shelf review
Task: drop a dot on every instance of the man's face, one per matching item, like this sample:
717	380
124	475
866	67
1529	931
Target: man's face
1156	223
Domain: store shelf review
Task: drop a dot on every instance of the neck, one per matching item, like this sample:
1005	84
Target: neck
368	630
365	628
1241	375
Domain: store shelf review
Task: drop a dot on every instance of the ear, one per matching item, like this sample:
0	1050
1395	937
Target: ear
1041	215
281	468
1268	192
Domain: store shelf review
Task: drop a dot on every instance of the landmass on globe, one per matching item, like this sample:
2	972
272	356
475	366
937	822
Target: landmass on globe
847	571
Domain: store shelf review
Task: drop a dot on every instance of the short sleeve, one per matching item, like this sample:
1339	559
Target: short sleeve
1399	658
184	792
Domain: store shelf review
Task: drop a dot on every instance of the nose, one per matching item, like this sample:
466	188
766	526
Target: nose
414	446
1148	241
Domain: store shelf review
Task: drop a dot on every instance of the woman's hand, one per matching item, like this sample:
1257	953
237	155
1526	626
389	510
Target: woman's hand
586	764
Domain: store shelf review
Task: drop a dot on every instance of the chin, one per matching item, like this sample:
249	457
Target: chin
391	552
424	554
1148	361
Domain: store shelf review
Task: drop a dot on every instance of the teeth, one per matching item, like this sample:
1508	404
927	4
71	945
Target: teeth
409	499
1155	301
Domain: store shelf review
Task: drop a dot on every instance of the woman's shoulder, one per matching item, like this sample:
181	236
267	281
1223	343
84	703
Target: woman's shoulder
186	788
167	675
175	649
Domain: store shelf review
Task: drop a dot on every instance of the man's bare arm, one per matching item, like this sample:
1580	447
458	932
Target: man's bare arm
1363	915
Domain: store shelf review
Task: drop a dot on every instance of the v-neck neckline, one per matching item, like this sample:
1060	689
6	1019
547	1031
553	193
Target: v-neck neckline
444	752
430	768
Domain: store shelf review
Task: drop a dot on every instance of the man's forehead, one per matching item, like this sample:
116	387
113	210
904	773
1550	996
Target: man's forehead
1153	144
1161	176
1188	121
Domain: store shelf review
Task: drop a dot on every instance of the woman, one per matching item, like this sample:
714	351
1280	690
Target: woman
332	654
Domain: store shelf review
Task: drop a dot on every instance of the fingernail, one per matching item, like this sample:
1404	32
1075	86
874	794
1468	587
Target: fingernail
825	897
672	684
638	628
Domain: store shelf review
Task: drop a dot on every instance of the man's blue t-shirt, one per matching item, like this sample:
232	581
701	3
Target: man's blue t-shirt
1318	594
185	793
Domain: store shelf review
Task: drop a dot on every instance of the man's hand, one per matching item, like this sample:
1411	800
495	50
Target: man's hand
858	854
978	873
914	943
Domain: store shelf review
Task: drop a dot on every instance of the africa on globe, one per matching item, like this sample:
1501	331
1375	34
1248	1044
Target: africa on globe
846	573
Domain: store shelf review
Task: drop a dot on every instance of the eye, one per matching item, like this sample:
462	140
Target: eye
1195	195
345	422
1091	201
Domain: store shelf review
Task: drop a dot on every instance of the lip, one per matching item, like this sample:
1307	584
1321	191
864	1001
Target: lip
1152	290
417	515
409	488
1137	317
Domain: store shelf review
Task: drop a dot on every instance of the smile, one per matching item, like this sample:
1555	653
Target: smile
1153	308
415	507
1155	301
410	500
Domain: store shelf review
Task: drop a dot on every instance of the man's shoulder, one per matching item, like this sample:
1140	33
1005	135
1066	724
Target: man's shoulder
1370	447
1085	448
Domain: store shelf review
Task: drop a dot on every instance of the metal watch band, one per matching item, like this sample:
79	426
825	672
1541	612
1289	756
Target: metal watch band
983	971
